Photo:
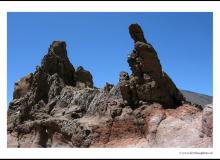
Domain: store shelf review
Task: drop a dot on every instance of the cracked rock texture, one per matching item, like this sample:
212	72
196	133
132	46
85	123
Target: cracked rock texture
147	83
58	106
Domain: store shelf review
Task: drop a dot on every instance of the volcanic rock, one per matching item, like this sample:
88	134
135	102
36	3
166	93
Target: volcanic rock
147	83
56	61
58	106
108	87
22	86
83	78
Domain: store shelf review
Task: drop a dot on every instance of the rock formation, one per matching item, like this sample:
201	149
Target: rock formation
83	78
147	83
58	106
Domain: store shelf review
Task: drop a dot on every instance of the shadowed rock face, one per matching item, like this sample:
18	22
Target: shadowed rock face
56	61
57	106
136	33
147	83
83	78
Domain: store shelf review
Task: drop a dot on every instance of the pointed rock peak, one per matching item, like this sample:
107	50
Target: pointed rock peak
123	76
58	48
108	87
148	82
80	68
83	78
51	76
57	61
137	33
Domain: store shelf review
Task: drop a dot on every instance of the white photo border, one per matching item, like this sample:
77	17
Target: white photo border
109	6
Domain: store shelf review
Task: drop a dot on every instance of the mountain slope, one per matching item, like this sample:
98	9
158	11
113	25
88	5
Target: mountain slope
197	98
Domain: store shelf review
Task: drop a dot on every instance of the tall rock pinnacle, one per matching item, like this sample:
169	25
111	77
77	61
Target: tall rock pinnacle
148	82
136	33
56	61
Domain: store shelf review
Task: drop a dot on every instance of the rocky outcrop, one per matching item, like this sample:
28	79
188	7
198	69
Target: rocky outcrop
102	121
43	87
83	78
58	106
22	86
108	87
147	83
56	61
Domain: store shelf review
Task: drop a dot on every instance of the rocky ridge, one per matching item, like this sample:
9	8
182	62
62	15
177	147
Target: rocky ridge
58	106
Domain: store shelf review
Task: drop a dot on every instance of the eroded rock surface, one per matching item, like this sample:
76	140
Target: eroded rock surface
58	106
147	83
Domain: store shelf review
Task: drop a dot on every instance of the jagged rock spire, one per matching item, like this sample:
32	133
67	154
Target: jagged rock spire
47	81
56	61
147	83
136	33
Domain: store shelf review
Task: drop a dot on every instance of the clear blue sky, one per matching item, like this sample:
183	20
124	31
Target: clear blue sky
100	42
